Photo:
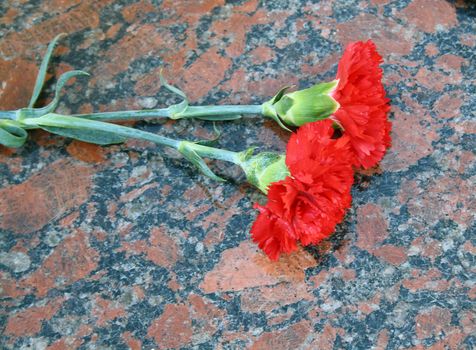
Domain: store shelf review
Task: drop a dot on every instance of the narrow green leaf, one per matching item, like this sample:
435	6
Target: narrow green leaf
92	136
87	125
177	109
216	118
280	94
213	141
12	135
75	128
40	78
171	88
59	86
196	160
269	108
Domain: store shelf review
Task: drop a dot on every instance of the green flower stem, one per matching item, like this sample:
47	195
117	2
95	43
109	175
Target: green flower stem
8	115
217	153
70	122
190	112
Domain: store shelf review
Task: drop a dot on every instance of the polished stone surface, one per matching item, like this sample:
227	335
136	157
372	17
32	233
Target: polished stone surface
130	247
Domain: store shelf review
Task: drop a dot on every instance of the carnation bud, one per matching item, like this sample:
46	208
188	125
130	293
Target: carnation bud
264	168
303	106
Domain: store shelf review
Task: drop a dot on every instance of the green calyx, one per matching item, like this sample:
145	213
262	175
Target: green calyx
303	106
264	168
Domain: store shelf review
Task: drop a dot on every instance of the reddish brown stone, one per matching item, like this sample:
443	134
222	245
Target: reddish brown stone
45	196
322	66
325	339
72	341
142	175
57	6
459	160
132	343
65	343
430	280
450	62
216	222
386	34
135	193
9	16
139	292
213	237
69	219
427	247
248	6
269	298
427	15
195	193
465	127
448	106
468	322
192	9
431	49
10	287
72	260
261	54
86	152
161	249
436	80
246	266
372	227
139	41
289	338
445	197
392	254
28	322
83	16
280	318
432	321
110	34
173	329
207	318
45	139
468	39
382	339
136	11
18	78
9	159
411	140
173	284
239	85
205	73
452	341
106	310
241	24
366	308
322	276
470	248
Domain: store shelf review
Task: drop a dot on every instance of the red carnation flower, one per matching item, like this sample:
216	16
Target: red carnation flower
307	205
363	106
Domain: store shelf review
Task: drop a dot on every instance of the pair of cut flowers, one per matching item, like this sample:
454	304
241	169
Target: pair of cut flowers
342	125
307	204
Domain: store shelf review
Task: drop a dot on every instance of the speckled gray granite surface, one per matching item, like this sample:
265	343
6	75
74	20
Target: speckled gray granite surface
129	247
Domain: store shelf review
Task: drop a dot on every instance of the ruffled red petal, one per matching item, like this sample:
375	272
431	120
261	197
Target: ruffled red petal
306	206
363	104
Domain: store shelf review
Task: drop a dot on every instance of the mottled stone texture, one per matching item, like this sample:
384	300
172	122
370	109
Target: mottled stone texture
130	247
